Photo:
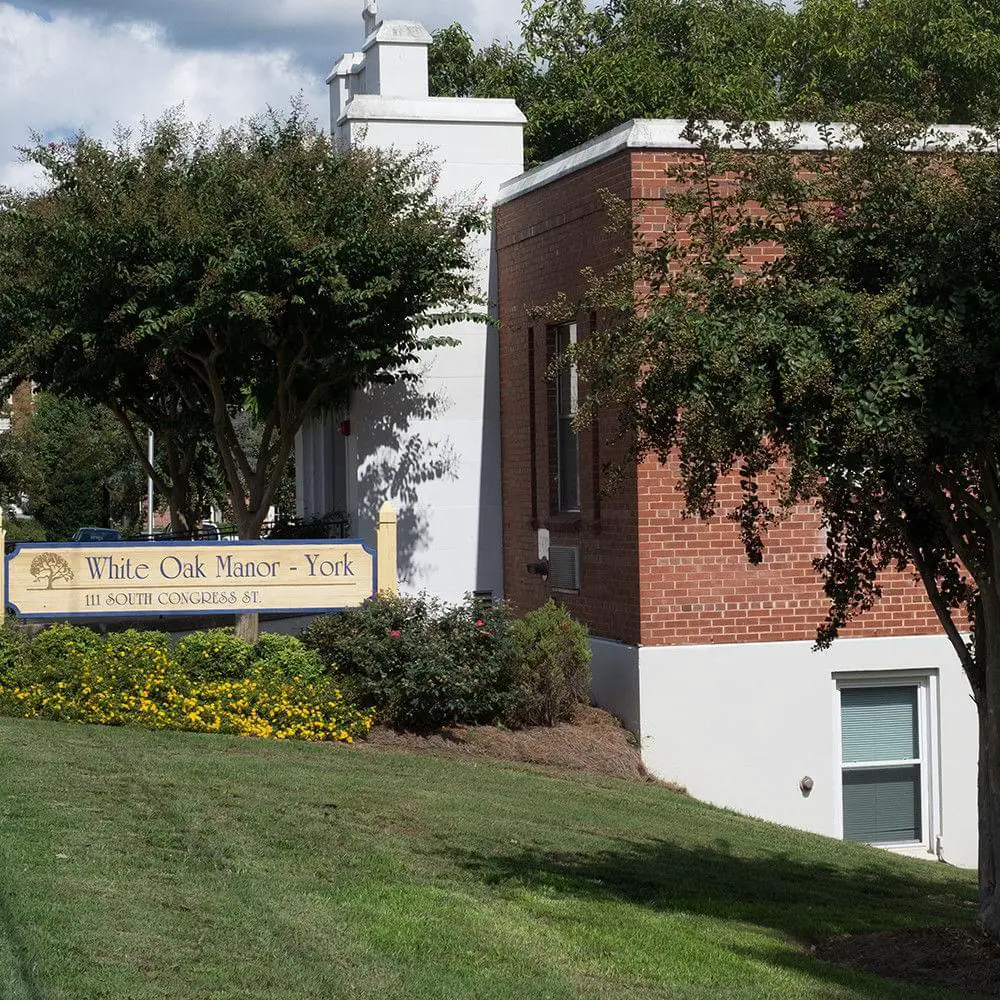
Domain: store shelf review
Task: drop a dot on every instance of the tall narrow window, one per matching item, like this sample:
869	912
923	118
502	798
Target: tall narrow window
567	440
882	764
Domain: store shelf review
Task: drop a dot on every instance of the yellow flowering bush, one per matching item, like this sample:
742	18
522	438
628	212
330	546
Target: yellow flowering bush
133	679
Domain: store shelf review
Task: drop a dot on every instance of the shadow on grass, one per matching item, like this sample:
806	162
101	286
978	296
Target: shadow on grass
803	899
808	900
22	966
855	984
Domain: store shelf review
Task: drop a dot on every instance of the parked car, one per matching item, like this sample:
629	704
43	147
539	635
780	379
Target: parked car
96	535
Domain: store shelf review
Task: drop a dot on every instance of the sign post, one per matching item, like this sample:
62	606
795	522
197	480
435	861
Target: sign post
385	542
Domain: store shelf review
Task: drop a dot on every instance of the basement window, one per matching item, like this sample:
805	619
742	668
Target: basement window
884	762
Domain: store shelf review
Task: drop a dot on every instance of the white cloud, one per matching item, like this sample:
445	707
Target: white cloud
310	28
68	74
85	65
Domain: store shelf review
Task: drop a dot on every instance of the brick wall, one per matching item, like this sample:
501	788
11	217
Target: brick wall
647	575
544	239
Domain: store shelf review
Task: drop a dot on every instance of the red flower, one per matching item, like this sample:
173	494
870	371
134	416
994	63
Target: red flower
395	633
480	623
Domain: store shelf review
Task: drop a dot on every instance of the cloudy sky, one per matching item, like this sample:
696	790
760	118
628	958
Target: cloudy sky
71	65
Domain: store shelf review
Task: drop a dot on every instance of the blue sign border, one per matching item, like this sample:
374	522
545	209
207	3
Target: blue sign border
208	544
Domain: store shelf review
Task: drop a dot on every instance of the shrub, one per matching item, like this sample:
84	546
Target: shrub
287	657
215	654
132	678
550	665
419	662
48	653
14	644
24	529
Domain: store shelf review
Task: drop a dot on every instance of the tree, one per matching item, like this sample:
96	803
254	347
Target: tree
181	277
457	69
856	373
76	467
581	71
939	59
51	568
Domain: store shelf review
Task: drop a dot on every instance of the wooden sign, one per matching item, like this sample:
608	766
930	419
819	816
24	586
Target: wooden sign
187	578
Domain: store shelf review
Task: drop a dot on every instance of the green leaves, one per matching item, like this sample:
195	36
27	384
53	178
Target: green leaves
178	272
856	370
582	71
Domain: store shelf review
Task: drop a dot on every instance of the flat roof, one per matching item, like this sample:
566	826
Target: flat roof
670	134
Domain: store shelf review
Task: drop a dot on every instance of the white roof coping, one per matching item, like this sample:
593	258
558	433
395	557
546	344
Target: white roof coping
348	64
486	111
398	33
666	134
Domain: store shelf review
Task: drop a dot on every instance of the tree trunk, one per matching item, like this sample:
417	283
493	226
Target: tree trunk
987	696
248	626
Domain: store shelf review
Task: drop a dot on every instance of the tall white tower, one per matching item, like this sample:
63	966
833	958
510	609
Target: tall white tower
433	448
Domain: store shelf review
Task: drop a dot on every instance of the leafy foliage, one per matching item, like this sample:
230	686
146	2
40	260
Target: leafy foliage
550	657
77	467
24	529
288	657
938	59
132	678
421	663
213	654
583	70
180	276
14	643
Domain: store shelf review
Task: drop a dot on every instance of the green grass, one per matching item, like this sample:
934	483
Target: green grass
157	865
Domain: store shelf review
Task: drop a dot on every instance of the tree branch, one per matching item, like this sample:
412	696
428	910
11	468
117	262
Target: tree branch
941	608
961	545
141	449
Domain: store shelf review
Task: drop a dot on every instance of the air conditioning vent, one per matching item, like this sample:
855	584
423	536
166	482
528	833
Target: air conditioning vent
564	567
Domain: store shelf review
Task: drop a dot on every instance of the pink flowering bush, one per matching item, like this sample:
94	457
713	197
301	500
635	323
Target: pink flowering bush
421	663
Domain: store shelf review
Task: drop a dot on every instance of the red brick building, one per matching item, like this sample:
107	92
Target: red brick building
707	657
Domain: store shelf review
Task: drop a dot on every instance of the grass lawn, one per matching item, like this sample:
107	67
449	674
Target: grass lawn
139	865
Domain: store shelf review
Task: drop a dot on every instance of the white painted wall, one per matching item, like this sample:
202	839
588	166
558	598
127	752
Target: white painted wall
740	725
436	452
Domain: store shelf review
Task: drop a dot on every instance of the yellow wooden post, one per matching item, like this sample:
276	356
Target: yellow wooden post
385	543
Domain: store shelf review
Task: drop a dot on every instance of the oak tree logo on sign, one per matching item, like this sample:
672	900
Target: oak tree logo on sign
50	568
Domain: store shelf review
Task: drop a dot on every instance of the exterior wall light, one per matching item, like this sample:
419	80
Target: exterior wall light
540	568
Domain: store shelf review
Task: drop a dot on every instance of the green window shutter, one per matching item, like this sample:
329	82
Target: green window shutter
879	723
882	805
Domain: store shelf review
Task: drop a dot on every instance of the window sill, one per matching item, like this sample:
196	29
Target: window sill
909	849
569	522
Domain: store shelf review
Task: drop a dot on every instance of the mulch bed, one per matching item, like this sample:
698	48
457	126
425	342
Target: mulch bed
961	959
593	743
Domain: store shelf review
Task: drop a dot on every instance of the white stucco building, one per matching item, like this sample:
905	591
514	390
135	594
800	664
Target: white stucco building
435	451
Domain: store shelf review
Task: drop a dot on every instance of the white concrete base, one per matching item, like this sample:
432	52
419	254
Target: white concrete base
615	684
740	725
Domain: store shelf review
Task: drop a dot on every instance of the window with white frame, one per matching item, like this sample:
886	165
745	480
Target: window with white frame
886	781
567	439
